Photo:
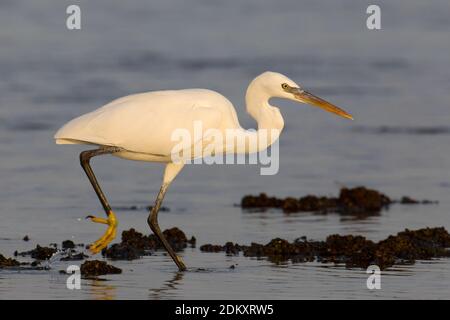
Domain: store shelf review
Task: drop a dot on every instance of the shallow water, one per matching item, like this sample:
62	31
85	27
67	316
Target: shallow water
396	78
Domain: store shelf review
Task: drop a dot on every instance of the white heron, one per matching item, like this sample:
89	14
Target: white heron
140	126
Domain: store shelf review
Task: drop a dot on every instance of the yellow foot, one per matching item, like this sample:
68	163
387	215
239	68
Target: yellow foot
109	234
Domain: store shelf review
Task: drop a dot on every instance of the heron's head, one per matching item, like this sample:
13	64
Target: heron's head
280	86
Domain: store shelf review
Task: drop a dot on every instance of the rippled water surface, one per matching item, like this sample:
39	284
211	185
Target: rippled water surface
396	82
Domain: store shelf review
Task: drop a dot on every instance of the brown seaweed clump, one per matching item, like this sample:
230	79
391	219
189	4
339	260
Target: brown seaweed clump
134	244
410	245
230	248
39	253
68	252
8	262
97	268
408	200
68	244
354	251
359	200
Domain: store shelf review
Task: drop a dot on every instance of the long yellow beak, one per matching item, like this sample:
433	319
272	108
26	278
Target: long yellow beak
313	100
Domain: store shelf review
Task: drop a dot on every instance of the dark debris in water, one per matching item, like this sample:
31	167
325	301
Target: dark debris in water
73	255
38	253
359	200
431	130
68	253
8	262
408	200
93	268
68	244
354	251
11	263
142	208
134	244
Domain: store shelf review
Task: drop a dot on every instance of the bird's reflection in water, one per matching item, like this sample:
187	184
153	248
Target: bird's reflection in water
101	290
167	288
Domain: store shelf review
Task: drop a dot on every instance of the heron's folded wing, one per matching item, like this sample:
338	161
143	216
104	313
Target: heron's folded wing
141	127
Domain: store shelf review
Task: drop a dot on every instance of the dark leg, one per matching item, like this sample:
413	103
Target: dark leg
111	221
153	223
171	171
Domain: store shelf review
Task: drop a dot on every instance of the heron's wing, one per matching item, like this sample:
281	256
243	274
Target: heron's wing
146	123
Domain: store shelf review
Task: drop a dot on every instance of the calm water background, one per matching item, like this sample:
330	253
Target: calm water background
398	77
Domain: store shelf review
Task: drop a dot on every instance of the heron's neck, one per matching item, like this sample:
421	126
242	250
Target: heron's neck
269	119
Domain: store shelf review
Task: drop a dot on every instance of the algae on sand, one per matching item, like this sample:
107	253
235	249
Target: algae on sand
354	251
359	200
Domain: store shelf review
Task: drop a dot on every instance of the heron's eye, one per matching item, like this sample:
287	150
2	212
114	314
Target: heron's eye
285	86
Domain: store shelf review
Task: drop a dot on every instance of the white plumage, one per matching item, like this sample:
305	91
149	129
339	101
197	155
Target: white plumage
143	123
